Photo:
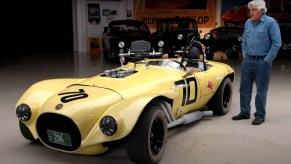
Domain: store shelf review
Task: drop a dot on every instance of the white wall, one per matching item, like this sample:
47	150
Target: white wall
97	29
83	29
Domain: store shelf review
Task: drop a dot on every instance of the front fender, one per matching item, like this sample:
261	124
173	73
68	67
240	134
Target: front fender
126	113
37	95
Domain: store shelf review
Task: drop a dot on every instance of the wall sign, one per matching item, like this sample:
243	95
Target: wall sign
106	12
150	11
93	13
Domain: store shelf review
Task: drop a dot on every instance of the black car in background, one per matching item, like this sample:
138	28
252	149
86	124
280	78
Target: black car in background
286	40
119	35
226	39
173	34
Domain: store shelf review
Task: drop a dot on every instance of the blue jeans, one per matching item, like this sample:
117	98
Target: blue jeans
254	71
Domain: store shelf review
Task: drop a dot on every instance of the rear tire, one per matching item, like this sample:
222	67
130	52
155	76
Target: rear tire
146	143
230	53
221	100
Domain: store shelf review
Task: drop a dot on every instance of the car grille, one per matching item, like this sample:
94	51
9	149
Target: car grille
190	36
140	45
58	123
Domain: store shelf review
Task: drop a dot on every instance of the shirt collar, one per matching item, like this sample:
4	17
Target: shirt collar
263	17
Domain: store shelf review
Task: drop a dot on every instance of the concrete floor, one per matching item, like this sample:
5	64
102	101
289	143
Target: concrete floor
212	140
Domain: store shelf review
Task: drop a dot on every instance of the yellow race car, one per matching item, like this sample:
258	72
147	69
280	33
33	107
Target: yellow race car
136	103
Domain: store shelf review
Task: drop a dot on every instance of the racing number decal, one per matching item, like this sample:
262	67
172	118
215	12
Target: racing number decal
187	89
71	96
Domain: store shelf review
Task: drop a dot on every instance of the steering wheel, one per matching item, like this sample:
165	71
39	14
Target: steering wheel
181	65
171	62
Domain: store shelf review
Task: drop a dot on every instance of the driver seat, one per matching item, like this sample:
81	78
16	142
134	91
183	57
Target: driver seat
194	52
193	56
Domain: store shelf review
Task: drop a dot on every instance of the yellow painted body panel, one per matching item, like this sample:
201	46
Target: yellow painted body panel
122	98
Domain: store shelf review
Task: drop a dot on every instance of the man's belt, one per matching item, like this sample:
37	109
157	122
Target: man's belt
255	57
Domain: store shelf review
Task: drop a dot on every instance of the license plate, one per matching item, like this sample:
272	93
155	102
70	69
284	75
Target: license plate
59	138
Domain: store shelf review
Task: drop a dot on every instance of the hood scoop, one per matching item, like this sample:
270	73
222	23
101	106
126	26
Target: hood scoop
118	73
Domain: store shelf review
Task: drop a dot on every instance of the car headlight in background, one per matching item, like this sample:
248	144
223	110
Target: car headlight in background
121	44
207	36
161	43
180	36
286	46
108	125
239	38
23	112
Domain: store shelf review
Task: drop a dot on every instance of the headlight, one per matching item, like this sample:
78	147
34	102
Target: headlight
180	36
207	36
108	125
23	112
121	44
239	38
161	43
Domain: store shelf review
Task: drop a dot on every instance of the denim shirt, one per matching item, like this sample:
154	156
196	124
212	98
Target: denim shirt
262	38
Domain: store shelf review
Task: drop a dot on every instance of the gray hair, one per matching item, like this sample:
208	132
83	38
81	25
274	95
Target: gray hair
259	4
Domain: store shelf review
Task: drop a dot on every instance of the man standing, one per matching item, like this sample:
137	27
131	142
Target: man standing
261	42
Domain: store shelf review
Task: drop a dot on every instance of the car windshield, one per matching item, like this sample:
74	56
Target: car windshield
181	26
162	63
234	24
128	28
170	26
176	64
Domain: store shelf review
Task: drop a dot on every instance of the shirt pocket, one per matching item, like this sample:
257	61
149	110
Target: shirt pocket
248	37
248	33
261	35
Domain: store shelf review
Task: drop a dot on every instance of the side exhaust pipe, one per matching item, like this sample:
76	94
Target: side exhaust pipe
190	117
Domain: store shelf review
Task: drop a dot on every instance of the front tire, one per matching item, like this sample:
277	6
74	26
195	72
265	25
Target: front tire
221	100
146	143
26	132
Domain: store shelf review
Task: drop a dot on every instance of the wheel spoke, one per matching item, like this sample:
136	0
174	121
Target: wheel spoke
157	136
226	96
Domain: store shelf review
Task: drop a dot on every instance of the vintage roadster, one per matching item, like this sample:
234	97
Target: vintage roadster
136	103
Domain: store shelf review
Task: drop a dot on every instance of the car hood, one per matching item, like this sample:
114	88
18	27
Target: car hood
171	36
146	79
174	33
133	36
234	30
83	104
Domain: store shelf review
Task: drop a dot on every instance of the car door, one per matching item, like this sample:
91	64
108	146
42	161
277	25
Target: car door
188	95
